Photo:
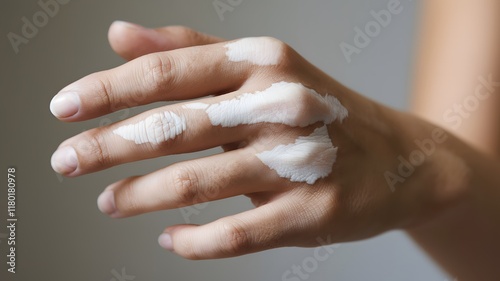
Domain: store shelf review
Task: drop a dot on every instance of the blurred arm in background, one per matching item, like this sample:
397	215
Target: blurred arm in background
456	87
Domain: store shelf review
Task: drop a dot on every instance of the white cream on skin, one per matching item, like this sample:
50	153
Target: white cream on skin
258	51
196	105
286	103
155	129
308	159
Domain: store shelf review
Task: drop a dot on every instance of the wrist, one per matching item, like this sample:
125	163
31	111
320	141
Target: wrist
441	177
416	170
427	172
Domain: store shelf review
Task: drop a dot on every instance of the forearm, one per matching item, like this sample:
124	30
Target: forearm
459	49
460	44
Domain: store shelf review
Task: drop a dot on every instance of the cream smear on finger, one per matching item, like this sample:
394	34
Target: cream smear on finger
155	129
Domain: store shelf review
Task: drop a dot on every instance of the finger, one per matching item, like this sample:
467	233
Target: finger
175	75
269	226
186	183
131	41
163	131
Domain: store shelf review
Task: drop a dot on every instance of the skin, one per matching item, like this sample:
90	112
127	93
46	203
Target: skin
460	41
354	202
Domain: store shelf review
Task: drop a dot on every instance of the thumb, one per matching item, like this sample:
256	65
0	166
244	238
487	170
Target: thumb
131	40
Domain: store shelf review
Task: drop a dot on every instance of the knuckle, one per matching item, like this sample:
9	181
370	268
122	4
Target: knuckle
95	146
302	98
126	201
186	185
103	88
301	105
282	50
157	71
235	239
167	127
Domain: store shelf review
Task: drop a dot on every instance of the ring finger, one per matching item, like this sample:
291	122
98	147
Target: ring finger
187	183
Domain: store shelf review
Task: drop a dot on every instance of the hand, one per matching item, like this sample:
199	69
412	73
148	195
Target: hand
310	153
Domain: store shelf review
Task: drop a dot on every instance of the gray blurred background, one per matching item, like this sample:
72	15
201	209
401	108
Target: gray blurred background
61	235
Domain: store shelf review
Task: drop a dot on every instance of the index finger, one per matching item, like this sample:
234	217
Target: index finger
173	75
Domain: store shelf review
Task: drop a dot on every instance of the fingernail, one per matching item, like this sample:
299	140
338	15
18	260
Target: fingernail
128	24
106	203
165	241
65	104
64	160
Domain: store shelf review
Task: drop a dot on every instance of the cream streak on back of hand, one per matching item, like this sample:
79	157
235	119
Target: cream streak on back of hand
308	159
283	103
